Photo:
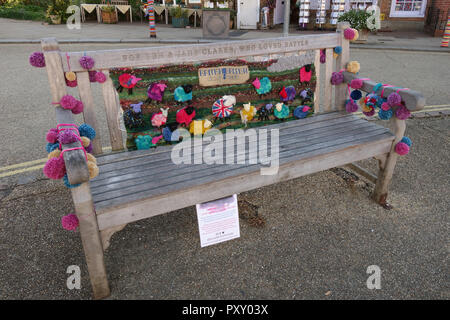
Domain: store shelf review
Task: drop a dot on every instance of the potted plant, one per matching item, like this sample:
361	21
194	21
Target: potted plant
358	20
216	21
109	14
179	17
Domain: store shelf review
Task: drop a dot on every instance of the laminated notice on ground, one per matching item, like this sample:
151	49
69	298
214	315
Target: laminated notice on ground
218	221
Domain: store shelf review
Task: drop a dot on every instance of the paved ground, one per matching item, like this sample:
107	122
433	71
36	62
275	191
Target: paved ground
320	235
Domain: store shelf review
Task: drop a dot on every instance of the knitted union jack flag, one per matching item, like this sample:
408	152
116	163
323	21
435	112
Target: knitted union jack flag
219	110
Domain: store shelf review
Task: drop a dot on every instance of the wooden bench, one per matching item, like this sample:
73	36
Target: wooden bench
144	183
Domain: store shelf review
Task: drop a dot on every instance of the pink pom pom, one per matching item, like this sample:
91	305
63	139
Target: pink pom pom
67	136
351	106
402	112
356	83
337	78
68	102
52	135
385	106
394	99
402	148
349	34
37	59
71	84
100	77
55	168
79	108
87	62
70	222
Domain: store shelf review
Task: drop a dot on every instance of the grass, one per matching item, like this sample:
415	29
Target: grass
22	12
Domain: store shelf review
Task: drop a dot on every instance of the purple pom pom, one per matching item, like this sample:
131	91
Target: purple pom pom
67	136
79	108
52	135
68	102
337	78
92	76
402	112
87	62
349	34
351	106
394	99
100	77
70	222
55	168
402	148
89	148
37	59
323	57
356	83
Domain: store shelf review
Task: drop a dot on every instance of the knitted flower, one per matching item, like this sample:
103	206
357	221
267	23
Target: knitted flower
55	168
349	33
385	114
100	77
394	99
70	222
37	59
52	135
68	102
407	141
353	66
356	83
337	78
67	183
87	131
402	113
87	62
402	148
351	106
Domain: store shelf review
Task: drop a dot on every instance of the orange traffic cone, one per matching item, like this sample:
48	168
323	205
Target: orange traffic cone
446	36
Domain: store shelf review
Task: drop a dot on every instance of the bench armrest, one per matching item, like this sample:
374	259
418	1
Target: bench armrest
414	100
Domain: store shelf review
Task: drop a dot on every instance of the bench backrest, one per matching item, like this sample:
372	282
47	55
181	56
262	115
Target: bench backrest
252	50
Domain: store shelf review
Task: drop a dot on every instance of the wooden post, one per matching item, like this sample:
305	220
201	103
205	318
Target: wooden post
340	91
317	90
327	87
151	18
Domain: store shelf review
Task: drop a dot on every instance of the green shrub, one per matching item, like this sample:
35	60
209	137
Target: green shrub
356	18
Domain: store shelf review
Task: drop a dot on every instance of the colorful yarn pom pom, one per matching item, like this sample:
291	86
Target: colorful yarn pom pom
356	83
353	66
89	148
92	76
385	106
356	35
68	102
52	135
87	131
370	112
67	183
351	106
402	113
55	168
338	50
385	114
93	170
70	222
67	136
54	154
323	57
71	84
407	141
86	141
356	95
79	108
37	59
402	148
51	146
337	78
100	77
87	62
394	99
349	33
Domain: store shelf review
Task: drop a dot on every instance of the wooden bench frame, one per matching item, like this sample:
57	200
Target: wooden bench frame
96	228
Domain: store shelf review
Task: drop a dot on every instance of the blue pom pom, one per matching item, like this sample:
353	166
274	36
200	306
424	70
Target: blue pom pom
338	50
407	141
67	183
385	115
51	146
87	131
356	95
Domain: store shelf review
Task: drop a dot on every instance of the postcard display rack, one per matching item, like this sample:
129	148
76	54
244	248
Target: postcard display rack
321	13
337	9
303	15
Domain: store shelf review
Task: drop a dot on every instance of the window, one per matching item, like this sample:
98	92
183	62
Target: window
408	8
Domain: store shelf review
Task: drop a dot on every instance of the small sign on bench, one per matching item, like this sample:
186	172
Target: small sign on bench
218	221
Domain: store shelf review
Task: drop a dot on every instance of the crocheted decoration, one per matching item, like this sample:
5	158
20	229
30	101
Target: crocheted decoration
54	154
394	99
349	33
55	168
89	148
68	102
337	50
87	131
402	112
86	141
87	62
305	73
169	132
223	107
92	76
356	36
184	116
70	222
281	111
91	158
198	127
67	136
52	135
385	114
287	93
71	84
67	183
159	119
353	66
356	95
93	169
247	113
264	85
323	57
51	146
71	76
356	83
407	141
156	91
337	78
100	77
37	59
183	93
351	106
385	106
301	112
128	81
78	108
402	148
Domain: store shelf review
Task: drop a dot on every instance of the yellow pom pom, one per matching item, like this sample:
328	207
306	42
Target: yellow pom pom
335	55
91	158
86	141
71	76
356	35
93	169
54	154
353	66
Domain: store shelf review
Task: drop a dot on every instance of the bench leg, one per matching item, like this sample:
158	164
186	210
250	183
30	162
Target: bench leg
90	237
387	166
107	234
